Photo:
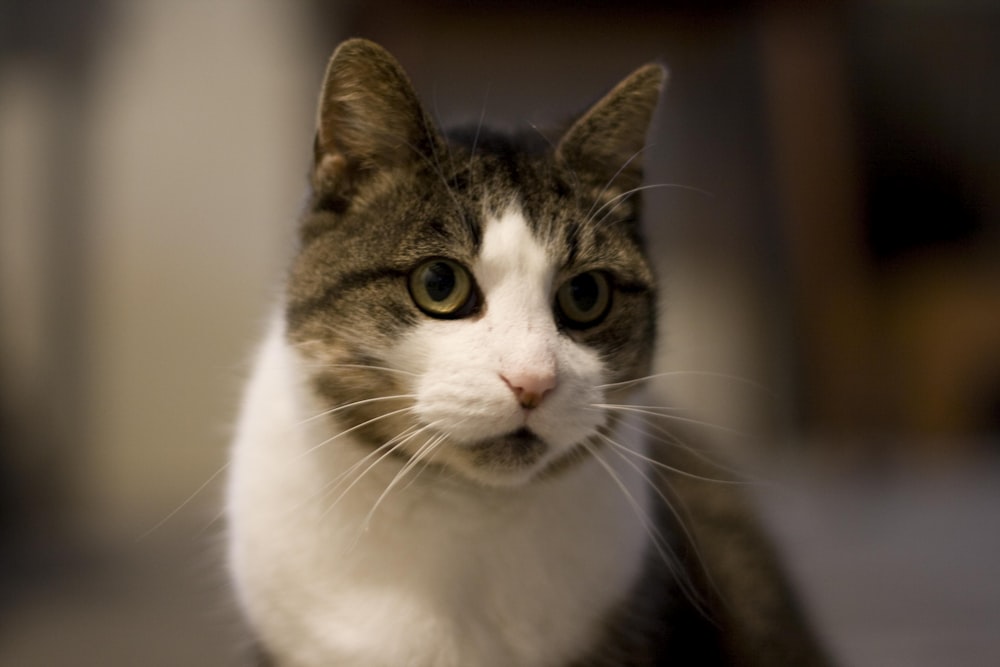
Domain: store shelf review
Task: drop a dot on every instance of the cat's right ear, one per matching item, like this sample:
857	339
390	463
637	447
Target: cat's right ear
604	146
370	120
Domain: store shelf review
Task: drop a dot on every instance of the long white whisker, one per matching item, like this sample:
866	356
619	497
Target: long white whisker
425	460
666	374
658	409
335	483
673	440
669	468
479	127
617	200
682	580
354	428
362	367
353	404
612	180
687	420
659	542
389	450
431	443
183	504
400	438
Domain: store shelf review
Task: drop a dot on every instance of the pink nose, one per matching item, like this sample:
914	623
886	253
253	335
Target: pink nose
530	388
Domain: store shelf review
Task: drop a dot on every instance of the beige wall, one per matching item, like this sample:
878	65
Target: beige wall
195	139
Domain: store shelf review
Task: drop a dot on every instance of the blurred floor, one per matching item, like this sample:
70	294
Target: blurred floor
898	571
901	569
158	601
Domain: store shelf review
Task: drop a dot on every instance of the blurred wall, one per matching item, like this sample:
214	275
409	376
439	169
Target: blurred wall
834	236
150	182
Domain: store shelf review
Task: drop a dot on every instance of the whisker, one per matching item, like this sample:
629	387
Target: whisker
333	484
401	437
354	428
184	503
428	446
544	136
669	468
670	438
661	410
389	450
617	200
687	587
572	172
659	542
432	162
354	404
216	518
686	420
362	367
431	135
425	462
479	126
708	374
612	180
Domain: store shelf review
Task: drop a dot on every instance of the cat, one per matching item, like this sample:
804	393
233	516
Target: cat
436	462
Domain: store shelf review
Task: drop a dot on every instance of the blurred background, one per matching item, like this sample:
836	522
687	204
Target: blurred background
831	289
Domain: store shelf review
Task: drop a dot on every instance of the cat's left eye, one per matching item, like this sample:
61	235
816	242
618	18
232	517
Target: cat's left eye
443	288
584	300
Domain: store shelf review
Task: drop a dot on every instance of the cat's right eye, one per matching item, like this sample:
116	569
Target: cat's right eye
443	288
584	300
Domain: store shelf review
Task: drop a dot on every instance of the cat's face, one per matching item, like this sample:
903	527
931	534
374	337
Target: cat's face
467	302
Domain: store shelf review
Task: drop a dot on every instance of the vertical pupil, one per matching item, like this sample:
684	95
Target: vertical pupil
583	290
439	280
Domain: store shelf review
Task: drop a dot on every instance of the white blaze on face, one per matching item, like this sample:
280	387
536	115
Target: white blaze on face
509	367
516	273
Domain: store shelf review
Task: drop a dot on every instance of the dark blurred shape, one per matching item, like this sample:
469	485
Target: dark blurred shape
60	40
55	30
917	206
927	104
890	190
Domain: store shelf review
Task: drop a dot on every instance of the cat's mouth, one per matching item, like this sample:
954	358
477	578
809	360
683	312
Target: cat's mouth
510	452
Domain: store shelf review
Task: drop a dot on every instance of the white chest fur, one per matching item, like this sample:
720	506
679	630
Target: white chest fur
443	573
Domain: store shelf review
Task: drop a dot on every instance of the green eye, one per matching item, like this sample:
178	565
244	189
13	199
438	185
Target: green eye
584	300
443	288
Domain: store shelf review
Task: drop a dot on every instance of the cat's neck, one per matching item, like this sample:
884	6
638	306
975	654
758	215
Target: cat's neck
450	554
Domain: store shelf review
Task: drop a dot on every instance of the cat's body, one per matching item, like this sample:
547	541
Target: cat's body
429	469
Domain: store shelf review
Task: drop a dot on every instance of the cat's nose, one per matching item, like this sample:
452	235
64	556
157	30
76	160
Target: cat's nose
530	388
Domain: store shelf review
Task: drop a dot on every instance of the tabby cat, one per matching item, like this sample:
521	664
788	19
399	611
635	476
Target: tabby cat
436	462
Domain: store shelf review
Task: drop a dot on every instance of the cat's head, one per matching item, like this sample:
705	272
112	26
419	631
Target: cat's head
467	299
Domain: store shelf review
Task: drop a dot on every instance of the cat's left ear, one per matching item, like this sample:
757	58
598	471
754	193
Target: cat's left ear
605	145
369	120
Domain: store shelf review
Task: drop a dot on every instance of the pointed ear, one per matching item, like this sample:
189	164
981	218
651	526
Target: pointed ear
604	146
369	119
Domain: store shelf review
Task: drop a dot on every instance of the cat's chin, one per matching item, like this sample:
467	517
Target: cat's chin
508	460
